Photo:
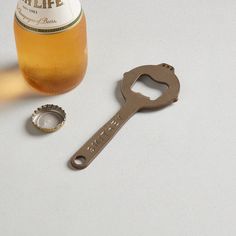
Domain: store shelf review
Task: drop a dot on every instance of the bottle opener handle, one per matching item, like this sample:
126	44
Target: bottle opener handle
88	152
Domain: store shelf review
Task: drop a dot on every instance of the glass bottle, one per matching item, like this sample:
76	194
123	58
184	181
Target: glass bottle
51	43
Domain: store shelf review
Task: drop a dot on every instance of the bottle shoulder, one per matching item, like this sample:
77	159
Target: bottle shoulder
48	16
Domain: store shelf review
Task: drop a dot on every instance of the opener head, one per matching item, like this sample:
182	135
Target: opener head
163	74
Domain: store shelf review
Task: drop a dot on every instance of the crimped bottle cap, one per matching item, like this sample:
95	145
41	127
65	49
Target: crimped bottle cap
49	118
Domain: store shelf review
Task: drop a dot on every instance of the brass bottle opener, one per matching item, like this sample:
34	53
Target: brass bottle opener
134	102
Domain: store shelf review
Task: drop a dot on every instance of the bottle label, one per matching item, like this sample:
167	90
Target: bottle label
48	16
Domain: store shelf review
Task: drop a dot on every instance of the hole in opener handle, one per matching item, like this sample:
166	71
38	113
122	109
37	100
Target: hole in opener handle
80	160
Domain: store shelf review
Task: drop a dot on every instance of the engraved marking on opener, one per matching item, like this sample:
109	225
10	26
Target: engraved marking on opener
104	135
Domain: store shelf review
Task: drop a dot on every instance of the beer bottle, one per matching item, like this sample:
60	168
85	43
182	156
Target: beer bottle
51	43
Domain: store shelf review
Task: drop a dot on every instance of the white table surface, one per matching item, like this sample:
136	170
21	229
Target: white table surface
168	173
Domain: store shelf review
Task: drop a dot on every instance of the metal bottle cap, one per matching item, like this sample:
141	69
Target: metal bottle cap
49	118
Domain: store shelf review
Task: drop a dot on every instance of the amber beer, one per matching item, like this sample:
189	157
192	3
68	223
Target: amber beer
51	43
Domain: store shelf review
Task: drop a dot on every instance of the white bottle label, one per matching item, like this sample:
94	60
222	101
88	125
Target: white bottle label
48	16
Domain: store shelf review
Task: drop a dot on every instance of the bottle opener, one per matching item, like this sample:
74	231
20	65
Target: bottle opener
134	102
